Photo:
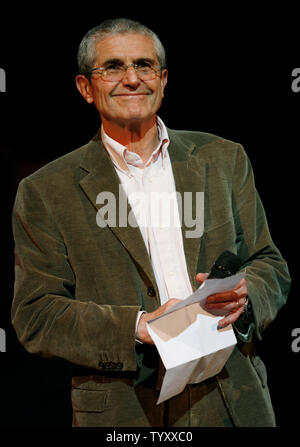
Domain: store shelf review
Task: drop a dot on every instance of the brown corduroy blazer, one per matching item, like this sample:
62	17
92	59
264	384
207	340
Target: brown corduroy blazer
79	287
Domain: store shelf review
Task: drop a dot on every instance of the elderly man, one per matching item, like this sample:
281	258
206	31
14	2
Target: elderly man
86	286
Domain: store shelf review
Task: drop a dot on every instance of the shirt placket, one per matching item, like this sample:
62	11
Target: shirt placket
164	234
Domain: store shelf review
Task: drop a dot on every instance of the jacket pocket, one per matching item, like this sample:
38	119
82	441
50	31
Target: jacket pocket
89	400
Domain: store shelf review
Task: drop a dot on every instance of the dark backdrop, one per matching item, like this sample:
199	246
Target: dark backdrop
229	74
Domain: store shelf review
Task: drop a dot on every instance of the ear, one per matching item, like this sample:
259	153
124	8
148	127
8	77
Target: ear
85	88
164	80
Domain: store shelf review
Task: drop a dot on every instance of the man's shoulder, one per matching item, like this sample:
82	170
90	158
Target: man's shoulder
206	146
60	167
199	138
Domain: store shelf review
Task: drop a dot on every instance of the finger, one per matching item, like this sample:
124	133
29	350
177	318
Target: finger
222	297
241	288
241	283
242	292
201	277
225	307
233	304
170	303
230	319
162	309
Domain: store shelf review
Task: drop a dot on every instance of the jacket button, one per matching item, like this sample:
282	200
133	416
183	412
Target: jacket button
151	291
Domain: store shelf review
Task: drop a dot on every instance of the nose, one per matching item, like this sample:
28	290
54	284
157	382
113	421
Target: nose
131	78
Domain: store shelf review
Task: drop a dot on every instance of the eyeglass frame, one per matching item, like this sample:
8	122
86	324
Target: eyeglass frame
124	68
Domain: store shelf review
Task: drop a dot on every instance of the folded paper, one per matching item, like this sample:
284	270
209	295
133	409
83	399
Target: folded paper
188	340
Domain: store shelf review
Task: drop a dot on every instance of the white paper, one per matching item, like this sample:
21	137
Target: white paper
209	287
188	341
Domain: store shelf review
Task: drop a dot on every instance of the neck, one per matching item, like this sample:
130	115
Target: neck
141	137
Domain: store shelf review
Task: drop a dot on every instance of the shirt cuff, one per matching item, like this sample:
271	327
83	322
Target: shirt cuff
244	332
136	326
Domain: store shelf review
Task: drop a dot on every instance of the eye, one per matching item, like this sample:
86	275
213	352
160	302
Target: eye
144	64
113	67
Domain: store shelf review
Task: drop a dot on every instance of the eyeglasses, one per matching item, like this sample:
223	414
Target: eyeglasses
116	72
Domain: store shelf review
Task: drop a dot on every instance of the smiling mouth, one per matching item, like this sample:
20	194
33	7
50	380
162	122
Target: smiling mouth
131	94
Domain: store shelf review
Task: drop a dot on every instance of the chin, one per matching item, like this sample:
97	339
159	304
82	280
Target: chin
137	117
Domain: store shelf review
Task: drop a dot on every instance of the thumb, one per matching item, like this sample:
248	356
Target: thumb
201	277
167	305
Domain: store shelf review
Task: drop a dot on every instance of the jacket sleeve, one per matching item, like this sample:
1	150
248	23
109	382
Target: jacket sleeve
47	317
267	276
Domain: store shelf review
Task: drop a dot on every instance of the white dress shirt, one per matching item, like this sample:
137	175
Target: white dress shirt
150	190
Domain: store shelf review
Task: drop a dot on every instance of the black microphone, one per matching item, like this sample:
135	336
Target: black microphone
227	264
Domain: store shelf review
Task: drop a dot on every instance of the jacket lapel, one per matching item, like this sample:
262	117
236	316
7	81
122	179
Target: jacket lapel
190	177
101	176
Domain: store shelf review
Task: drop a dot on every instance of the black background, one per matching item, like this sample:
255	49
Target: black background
230	73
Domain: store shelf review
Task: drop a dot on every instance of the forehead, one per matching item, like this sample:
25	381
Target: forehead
125	47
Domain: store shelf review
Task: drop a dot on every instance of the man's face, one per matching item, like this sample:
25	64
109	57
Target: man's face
131	99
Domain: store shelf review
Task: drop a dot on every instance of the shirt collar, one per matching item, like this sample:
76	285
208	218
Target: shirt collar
123	158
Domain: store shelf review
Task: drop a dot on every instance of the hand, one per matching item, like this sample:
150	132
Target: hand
142	330
231	304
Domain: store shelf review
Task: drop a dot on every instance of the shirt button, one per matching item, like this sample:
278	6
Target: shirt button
151	291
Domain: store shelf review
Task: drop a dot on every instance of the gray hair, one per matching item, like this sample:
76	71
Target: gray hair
87	55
